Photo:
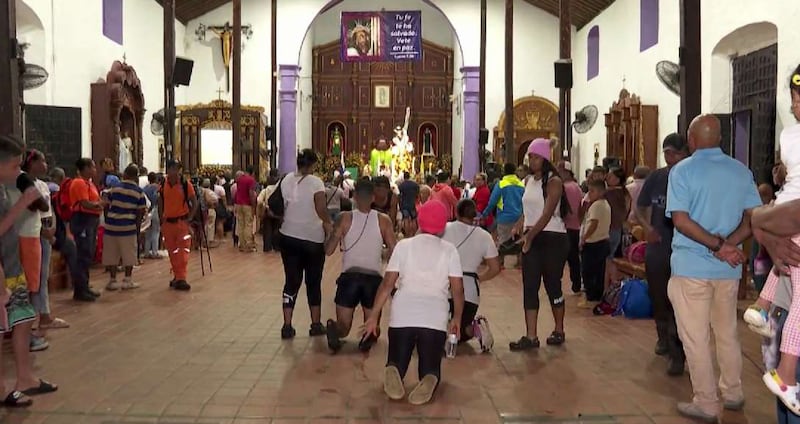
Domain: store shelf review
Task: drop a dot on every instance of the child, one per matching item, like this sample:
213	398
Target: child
594	244
16	312
127	206
782	381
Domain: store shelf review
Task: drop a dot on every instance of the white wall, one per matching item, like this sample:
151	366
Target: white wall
536	41
208	75
305	91
620	56
77	54
620	59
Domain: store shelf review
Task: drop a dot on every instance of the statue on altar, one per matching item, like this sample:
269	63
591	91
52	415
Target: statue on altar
336	142
427	143
402	150
125	157
380	158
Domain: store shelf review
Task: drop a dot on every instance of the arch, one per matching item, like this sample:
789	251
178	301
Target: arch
333	3
747	39
27	19
593	53
534	117
648	24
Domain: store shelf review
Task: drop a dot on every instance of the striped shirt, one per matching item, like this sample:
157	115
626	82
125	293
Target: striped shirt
126	200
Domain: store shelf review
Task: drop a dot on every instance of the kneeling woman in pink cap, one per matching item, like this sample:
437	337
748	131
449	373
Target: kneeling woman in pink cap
544	254
425	269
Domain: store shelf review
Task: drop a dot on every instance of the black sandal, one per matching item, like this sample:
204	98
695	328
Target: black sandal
14	400
524	343
556	339
43	388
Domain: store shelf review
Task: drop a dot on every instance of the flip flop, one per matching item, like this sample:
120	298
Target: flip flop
14	400
57	323
43	388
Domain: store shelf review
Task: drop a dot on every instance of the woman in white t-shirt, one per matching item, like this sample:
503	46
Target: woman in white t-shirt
546	245
425	269
474	246
306	224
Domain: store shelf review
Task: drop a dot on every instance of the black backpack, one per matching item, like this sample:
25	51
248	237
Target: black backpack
275	203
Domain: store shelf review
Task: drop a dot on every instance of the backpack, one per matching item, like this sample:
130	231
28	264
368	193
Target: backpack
275	203
634	300
63	201
610	302
635	253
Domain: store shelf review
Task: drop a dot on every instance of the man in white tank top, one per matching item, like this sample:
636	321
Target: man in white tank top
360	235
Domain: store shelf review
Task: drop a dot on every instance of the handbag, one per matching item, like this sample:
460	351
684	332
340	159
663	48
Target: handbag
275	203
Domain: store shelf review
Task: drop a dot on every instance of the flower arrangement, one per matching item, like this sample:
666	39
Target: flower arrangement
213	170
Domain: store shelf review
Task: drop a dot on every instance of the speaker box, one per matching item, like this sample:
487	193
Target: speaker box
483	137
182	72
563	74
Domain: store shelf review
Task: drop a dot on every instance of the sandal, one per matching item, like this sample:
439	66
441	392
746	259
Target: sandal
43	388
56	323
556	339
524	343
16	399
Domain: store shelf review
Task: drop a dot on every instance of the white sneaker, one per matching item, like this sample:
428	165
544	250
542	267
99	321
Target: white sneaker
113	285
787	394
758	321
129	285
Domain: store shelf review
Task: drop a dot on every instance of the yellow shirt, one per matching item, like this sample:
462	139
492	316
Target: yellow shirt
600	211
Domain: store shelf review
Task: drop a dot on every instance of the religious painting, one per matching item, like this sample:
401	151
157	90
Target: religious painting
383	96
383	36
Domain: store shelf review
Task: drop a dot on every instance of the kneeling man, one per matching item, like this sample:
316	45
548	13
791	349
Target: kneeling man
360	235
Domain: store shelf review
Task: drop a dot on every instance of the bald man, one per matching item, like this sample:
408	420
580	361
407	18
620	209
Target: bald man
710	197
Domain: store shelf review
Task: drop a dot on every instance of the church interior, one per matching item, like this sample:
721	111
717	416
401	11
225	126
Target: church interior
230	85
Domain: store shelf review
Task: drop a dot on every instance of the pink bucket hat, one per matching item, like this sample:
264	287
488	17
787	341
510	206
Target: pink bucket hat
540	147
432	217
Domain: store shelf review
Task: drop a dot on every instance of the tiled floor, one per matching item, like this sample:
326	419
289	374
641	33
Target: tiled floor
214	355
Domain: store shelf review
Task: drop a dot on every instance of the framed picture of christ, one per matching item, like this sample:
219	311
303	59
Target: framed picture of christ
383	97
362	36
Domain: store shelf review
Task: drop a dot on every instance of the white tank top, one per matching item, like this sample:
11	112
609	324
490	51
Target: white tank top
363	244
533	207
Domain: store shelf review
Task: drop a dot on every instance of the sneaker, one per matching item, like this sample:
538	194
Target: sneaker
113	285
733	405
524	343
287	332
482	332
691	410
82	297
127	284
317	329
392	383
38	344
332	333
366	343
180	285
787	394
556	339
423	392
661	348
758	321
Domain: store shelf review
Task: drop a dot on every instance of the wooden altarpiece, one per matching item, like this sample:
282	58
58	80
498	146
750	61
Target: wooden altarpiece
251	150
632	132
534	117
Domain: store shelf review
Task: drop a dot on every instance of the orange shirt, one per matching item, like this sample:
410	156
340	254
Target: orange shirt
80	190
175	200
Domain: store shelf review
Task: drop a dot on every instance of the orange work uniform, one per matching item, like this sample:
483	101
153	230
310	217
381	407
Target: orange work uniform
175	226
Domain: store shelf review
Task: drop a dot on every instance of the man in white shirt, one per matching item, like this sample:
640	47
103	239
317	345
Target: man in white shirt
360	235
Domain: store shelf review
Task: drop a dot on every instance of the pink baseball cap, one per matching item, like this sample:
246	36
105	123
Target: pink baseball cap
432	217
540	147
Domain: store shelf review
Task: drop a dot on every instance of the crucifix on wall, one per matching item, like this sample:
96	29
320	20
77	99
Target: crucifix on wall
225	35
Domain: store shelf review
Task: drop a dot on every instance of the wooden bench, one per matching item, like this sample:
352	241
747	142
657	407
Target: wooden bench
630	269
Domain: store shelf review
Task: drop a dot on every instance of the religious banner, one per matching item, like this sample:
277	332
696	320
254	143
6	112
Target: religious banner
388	36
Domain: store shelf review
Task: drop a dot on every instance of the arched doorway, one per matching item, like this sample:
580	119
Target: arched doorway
534	117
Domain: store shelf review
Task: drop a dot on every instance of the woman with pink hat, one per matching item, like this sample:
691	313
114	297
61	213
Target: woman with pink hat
546	244
425	269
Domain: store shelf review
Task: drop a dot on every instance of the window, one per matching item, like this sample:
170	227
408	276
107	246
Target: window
648	22
593	53
112	20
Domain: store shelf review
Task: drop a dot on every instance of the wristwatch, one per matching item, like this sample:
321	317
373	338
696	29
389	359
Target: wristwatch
718	246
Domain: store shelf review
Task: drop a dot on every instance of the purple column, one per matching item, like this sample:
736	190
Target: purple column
287	143
470	164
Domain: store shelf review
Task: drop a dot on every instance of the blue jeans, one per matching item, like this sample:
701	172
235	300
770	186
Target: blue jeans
784	415
84	229
153	234
41	299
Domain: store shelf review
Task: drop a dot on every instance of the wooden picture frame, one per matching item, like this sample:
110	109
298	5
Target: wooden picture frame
383	97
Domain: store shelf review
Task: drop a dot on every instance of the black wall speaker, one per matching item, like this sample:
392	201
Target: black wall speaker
182	72
483	137
563	73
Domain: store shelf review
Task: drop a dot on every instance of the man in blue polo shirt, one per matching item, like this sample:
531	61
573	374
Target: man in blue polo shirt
709	197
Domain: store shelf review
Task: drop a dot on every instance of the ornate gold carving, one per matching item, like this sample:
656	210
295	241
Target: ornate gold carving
532	113
218	104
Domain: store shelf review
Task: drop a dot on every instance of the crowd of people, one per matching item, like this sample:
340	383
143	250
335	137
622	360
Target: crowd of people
426	245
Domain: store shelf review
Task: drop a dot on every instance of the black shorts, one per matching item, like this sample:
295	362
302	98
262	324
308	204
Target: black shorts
409	213
467	316
354	288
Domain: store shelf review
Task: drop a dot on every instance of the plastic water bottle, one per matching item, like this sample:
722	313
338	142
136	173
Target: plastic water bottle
450	346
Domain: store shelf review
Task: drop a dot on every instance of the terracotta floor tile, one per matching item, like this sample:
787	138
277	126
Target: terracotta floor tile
214	356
